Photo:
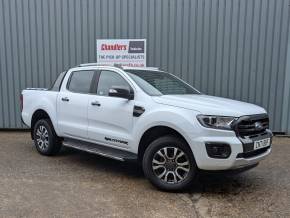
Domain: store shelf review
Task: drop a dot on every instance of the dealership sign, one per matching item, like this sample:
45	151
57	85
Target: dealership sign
126	52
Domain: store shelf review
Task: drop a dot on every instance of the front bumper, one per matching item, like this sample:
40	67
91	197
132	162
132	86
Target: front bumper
229	171
244	162
249	155
242	155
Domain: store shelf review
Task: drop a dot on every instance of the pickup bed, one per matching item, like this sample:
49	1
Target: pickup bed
149	116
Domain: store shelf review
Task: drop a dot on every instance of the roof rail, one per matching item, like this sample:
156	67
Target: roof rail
153	68
144	68
115	65
118	66
92	64
99	64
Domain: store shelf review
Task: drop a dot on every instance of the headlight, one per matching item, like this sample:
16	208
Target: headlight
217	122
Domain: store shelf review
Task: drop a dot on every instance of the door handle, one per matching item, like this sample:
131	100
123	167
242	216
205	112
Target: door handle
96	103
65	99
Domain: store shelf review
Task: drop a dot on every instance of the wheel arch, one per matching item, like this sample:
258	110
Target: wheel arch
38	115
155	132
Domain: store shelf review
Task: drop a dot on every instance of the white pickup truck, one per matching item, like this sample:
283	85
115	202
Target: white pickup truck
146	115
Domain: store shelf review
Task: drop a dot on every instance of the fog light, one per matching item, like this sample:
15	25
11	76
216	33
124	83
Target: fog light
218	150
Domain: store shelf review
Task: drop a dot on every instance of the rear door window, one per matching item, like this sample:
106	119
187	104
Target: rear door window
80	81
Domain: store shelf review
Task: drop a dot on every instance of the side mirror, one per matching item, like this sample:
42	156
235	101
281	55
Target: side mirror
121	92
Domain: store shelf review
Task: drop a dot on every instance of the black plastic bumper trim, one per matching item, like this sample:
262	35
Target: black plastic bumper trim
253	153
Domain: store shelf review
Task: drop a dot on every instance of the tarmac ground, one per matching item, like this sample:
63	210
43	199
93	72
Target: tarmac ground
78	184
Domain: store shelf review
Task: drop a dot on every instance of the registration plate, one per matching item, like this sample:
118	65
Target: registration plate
262	143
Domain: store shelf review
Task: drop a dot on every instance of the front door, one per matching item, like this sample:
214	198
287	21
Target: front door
110	118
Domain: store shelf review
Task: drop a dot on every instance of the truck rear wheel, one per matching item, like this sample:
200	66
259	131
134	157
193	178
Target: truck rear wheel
169	164
45	139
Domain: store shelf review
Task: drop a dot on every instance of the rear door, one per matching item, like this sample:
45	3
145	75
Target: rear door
110	118
72	104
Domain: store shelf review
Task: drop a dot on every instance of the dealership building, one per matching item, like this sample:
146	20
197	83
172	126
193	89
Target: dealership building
237	49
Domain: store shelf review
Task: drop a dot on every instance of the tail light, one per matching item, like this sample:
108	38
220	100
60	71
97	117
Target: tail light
21	102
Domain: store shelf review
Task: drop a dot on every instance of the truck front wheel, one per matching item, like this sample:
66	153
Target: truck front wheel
45	139
169	164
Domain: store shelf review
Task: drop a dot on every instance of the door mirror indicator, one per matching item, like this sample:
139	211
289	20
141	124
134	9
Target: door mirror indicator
121	92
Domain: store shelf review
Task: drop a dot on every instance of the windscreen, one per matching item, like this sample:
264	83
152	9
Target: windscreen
156	83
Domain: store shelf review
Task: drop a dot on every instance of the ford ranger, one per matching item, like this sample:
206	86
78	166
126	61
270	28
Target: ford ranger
149	116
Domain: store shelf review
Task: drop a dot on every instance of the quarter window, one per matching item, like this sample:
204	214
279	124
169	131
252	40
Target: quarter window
57	83
109	79
80	81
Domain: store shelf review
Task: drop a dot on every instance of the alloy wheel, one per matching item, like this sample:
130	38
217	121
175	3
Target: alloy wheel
42	138
171	165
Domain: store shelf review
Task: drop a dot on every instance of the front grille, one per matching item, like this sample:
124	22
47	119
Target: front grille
252	125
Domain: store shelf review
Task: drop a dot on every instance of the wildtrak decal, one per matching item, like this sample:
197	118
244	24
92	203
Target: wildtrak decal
116	140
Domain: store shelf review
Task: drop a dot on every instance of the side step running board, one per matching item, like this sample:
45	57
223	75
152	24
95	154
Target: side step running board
105	151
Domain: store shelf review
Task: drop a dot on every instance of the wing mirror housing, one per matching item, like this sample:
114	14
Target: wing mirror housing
121	92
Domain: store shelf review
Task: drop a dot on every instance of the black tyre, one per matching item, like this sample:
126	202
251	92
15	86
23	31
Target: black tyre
169	164
45	139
